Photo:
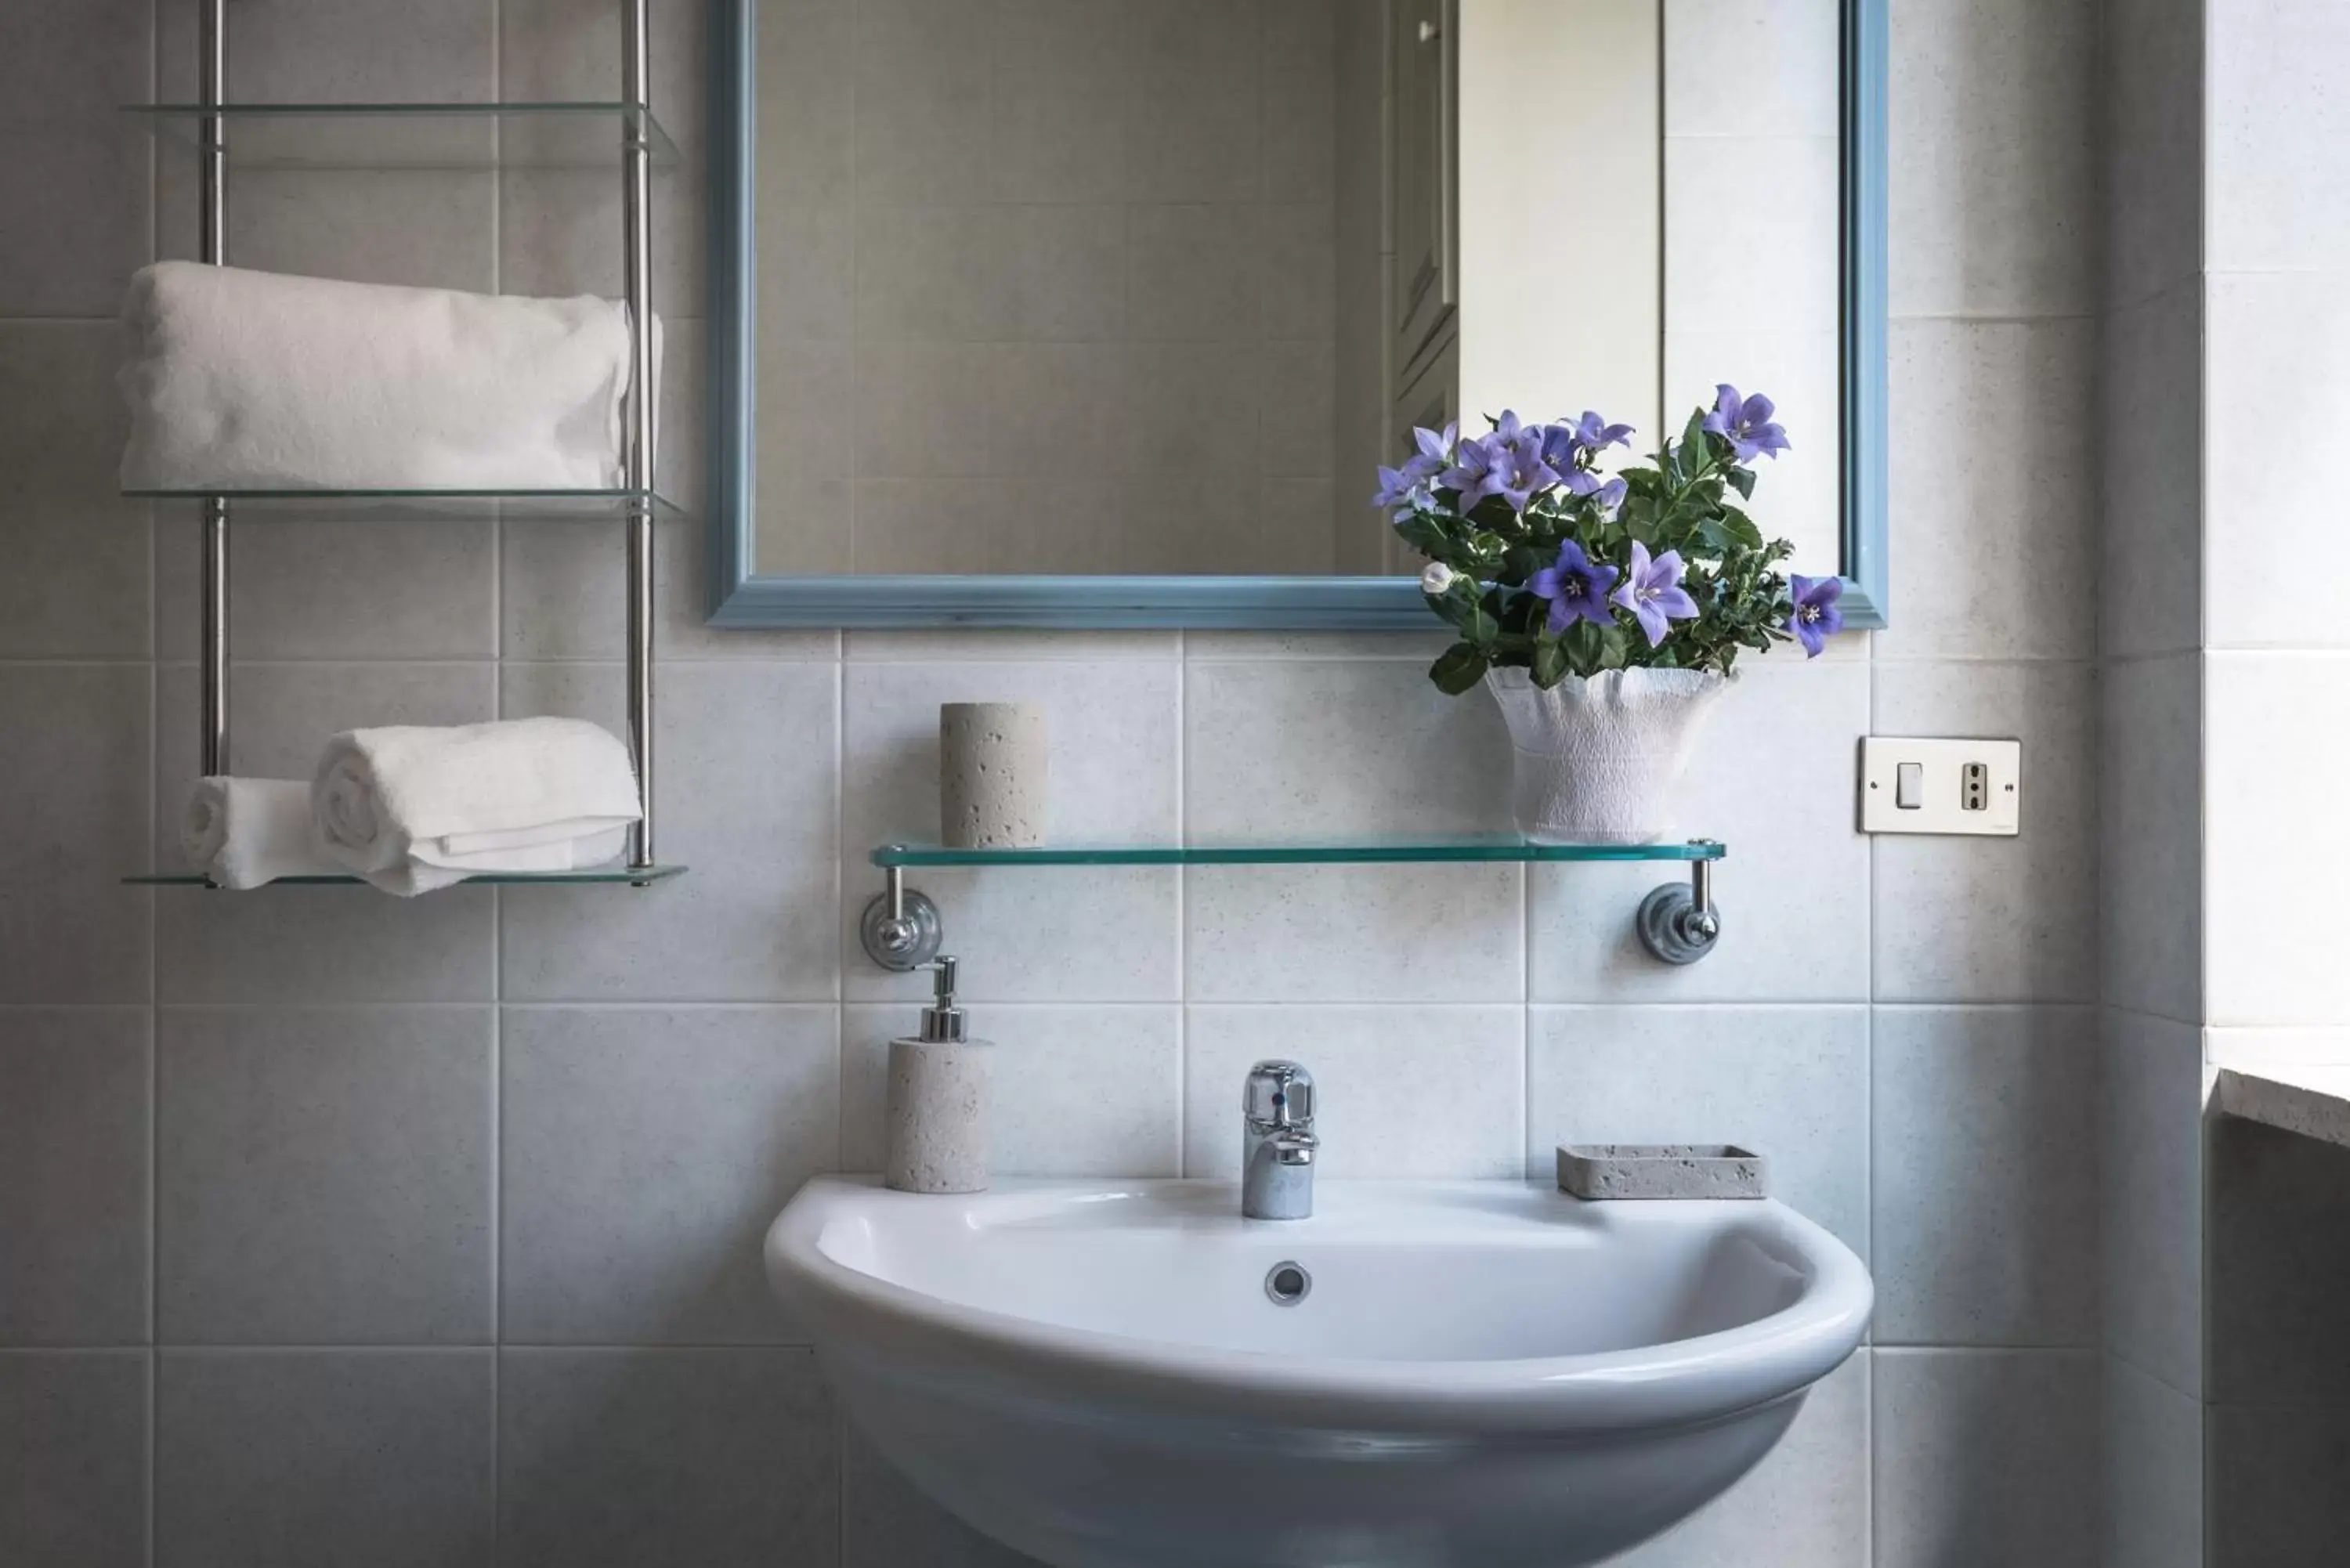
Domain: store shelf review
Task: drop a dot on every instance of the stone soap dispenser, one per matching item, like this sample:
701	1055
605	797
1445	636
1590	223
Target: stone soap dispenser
941	1089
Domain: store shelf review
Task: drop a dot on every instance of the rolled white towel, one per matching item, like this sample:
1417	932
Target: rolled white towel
253	380
412	809
244	832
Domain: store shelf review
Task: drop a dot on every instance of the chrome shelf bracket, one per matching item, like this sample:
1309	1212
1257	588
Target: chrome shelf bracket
1678	924
902	929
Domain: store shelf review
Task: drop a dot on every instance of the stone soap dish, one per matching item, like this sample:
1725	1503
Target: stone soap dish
1611	1170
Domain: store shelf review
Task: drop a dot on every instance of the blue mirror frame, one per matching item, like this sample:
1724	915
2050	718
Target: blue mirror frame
740	598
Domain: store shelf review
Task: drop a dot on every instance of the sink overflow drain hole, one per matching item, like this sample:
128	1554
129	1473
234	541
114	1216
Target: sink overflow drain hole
1287	1283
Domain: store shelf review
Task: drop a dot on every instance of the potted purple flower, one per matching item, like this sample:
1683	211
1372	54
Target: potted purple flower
1604	613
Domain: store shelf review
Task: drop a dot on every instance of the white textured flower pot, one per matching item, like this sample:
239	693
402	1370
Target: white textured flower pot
1597	759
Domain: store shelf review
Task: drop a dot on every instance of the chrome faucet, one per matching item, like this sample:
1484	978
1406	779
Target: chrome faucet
1277	1142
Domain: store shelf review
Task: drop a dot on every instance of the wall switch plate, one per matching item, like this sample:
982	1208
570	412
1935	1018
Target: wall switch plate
1940	786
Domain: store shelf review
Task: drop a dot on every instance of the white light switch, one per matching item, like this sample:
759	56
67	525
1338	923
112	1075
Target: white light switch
1940	786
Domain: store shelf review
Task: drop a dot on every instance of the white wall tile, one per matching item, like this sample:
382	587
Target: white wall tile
1059	87
1804	1506
417	228
2153	1470
1994	480
1790	1083
642	1153
78	584
2150	561
2151	1234
2275	841
1298	98
1070	935
2279	175
73	1458
1995	919
1077	1090
278	1458
1783	231
1985	1457
1994	209
614	1459
69	931
2278	345
1190	122
339	51
75	1128
1735	67
1771	775
2150	818
1399	1091
1984	1175
742	792
339	591
1354	933
2256	1048
555	51
323	1175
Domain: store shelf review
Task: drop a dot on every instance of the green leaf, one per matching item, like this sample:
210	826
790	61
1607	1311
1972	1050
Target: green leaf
1480	626
1459	668
1549	663
1742	481
1421	533
1613	648
1741	528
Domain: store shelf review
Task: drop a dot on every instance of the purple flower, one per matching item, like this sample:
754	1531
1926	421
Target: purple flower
1576	588
1519	471
1435	451
1816	617
1474	473
1596	434
1652	591
1402	491
1746	424
1563	446
1612	493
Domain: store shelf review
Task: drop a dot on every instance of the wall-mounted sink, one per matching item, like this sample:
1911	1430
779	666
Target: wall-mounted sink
1128	1375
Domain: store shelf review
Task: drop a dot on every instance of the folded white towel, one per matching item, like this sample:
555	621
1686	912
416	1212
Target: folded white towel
411	809
254	381
244	833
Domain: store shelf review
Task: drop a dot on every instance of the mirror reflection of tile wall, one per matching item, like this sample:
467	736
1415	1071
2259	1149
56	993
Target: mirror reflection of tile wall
1053	286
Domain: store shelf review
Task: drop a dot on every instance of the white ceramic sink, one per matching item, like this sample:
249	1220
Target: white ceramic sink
1481	1373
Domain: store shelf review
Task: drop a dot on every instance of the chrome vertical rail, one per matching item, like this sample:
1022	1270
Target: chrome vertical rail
636	211
212	42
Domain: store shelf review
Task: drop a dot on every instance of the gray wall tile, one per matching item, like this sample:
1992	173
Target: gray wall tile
75	1128
1994	209
2154	145
280	1459
2150	816
1804	1506
643	1153
2150	558
1985	1457
69	930
1984	1175
73	1458
1399	1091
1995	919
626	1458
78	583
1790	1083
1992	552
2151	1234
324	1174
1085	1090
743	793
77	179
2153	1446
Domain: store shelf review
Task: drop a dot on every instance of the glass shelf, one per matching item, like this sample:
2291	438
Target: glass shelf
594	877
445	505
1330	854
415	135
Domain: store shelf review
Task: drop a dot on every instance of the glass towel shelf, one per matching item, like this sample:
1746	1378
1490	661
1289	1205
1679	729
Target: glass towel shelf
595	876
1332	854
426	506
580	135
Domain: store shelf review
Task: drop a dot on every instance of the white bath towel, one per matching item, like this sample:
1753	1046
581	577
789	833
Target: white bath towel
256	380
245	833
411	809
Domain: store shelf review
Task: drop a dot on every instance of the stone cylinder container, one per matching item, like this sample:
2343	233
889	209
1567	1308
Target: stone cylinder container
938	1114
992	774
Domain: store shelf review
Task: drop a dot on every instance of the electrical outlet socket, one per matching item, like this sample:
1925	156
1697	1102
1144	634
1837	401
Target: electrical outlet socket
1941	786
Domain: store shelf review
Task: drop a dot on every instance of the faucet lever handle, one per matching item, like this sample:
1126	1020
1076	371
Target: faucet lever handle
1279	1095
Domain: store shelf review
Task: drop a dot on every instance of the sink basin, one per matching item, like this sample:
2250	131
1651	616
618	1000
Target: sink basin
1128	1375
